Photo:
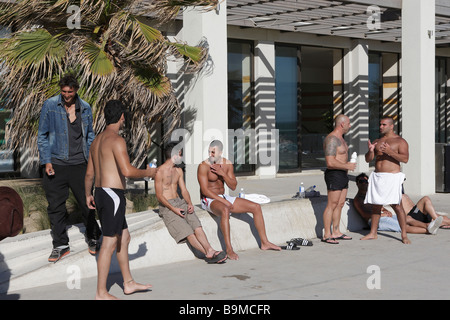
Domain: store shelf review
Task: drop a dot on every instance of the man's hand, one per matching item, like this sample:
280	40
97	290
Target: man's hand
371	145
386	148
179	212
49	169
151	172
217	169
351	166
190	208
90	202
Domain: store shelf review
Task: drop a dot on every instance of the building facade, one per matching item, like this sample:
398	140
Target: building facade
292	66
280	71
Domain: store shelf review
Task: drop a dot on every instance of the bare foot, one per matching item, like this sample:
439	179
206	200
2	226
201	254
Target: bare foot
105	296
132	286
405	240
232	255
370	237
270	246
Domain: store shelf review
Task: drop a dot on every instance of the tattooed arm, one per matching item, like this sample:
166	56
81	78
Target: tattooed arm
333	159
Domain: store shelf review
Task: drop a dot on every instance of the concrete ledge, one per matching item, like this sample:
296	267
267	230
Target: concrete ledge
23	259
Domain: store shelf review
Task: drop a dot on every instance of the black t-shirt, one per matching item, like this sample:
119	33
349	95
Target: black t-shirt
76	155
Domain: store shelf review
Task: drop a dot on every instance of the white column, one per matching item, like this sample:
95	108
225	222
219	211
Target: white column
206	94
418	94
267	150
356	79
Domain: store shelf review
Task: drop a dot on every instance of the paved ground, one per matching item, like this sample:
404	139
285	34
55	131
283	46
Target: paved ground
380	269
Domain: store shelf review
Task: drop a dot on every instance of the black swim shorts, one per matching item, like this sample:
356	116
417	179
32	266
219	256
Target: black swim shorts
336	179
418	215
111	205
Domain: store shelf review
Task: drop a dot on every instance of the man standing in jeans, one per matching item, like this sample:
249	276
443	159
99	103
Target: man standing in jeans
64	138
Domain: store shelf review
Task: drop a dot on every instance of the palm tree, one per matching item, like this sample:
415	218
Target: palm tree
113	52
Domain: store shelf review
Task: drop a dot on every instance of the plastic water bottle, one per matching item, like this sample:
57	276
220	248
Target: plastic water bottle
354	156
310	189
242	194
301	190
152	164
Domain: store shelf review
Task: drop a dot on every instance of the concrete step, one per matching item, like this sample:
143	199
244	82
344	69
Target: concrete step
23	259
26	254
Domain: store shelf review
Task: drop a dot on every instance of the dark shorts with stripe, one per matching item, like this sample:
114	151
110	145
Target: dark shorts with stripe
111	206
418	215
336	179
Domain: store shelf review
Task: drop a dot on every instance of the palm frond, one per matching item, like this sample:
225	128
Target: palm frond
33	48
100	64
167	10
115	54
154	81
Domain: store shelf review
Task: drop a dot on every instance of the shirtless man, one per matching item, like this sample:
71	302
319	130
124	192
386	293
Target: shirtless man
178	214
421	218
212	174
385	183
110	165
336	179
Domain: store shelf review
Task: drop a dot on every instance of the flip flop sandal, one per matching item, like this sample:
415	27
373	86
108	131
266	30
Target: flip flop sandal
301	242
290	246
330	241
218	257
343	237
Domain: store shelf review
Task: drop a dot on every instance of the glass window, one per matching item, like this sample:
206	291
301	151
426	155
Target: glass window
305	97
374	95
6	156
317	93
441	114
240	105
286	101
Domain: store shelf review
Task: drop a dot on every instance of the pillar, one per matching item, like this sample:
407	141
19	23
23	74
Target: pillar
267	150
356	95
418	94
206	95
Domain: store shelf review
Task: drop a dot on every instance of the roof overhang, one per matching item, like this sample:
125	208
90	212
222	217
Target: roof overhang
363	19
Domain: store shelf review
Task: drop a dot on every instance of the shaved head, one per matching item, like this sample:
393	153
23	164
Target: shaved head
340	119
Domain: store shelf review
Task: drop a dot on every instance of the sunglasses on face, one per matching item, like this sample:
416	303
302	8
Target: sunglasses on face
363	181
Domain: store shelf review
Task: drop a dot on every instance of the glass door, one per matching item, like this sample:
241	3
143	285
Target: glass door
375	96
287	106
318	89
240	105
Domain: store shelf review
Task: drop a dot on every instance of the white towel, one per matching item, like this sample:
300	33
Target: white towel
258	198
385	188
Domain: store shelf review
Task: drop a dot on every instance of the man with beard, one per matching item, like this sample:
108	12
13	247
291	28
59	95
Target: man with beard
65	135
386	182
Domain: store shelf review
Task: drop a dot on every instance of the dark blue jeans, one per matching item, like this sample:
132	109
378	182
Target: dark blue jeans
57	192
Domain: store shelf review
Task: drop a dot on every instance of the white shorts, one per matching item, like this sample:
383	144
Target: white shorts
206	202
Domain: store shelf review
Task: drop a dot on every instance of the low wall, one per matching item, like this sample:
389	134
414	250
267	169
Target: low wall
152	245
